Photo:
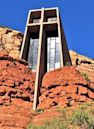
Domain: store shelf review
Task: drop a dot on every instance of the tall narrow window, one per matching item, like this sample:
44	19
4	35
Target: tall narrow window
53	53
33	54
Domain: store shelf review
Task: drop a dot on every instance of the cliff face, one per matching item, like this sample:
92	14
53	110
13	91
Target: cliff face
58	87
10	41
16	80
16	93
62	87
85	65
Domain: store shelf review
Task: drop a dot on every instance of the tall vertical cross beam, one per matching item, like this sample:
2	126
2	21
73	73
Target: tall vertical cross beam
42	24
39	65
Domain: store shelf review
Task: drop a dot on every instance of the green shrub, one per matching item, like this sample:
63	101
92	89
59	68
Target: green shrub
83	119
85	77
91	123
31	126
80	117
53	124
39	111
21	93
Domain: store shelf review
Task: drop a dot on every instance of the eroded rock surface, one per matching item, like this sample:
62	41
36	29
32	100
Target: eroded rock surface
16	93
85	65
10	41
64	87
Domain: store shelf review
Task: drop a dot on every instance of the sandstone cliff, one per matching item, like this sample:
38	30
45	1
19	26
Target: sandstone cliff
85	65
10	41
63	87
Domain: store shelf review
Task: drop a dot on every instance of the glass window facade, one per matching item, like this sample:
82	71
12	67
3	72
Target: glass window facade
53	53
33	53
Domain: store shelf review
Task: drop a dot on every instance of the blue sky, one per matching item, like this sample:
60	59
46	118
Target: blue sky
77	17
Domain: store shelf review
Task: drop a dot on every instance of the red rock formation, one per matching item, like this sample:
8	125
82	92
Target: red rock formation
16	80
64	87
10	41
85	65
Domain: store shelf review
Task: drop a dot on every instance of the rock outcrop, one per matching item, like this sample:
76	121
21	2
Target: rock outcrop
16	93
85	65
64	87
10	41
16	80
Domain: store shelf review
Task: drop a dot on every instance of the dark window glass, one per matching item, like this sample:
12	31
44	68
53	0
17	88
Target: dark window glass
33	53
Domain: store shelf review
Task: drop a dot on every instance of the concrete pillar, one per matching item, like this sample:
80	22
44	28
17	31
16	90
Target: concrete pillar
38	78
